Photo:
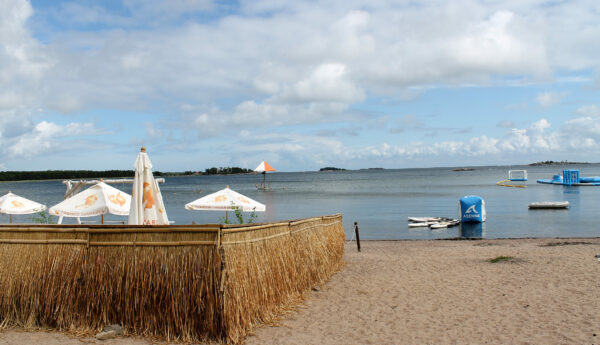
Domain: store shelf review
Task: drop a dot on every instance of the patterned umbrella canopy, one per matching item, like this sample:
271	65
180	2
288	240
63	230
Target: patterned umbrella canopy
13	204
94	201
226	200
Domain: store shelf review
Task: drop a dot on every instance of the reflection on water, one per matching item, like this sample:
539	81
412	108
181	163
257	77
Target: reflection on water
471	230
573	189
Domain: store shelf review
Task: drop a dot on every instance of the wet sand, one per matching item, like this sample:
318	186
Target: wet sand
436	292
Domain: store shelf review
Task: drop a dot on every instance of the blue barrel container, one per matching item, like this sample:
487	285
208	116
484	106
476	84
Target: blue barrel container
472	209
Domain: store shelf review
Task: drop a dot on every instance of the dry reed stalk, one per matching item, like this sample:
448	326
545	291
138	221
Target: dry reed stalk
266	277
164	291
172	286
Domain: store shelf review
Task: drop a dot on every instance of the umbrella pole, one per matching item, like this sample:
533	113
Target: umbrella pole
226	219
10	217
101	219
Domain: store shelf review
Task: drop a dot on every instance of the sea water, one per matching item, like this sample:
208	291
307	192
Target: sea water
380	201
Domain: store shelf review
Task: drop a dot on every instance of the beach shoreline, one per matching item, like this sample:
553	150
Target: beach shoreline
545	291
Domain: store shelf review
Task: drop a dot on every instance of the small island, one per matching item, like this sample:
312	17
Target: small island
556	163
331	169
463	169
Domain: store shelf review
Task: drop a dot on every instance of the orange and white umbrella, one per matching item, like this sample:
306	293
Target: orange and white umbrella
94	201
13	204
226	200
147	207
263	167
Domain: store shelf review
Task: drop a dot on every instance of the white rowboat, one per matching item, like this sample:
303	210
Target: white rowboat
423	219
432	222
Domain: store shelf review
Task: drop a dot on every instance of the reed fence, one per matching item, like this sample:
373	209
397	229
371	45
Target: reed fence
177	282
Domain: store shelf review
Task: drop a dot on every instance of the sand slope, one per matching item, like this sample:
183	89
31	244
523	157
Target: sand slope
445	292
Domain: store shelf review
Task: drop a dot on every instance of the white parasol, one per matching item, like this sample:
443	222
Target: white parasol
147	207
226	200
13	204
94	201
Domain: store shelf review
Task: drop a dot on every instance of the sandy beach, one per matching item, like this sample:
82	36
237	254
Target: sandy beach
436	292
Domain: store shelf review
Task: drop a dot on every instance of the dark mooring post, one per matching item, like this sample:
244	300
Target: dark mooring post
357	236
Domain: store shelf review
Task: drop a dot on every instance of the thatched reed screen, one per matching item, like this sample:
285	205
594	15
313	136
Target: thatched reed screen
191	282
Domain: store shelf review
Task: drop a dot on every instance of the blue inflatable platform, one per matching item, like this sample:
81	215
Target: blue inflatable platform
572	178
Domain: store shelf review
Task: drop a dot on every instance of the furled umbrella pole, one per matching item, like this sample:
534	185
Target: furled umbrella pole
13	204
147	206
94	201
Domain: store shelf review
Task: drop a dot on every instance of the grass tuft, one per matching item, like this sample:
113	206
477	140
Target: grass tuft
572	243
501	258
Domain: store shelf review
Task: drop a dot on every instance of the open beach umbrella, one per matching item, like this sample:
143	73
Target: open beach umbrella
14	204
226	200
97	200
147	207
263	167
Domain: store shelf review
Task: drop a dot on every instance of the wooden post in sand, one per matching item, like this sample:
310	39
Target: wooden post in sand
357	236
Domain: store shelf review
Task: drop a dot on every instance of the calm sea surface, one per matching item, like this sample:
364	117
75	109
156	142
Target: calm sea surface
381	200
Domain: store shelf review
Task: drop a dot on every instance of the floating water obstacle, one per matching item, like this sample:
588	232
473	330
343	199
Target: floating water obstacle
472	209
572	178
514	175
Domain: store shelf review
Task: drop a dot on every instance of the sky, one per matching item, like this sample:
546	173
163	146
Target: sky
301	84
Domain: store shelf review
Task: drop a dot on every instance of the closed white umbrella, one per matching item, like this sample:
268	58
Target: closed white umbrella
13	204
226	200
94	201
147	207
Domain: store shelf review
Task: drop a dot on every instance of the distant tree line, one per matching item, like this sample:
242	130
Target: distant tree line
94	174
556	163
64	174
226	171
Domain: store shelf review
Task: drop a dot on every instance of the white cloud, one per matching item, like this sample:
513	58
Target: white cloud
47	137
273	65
500	44
575	134
506	124
327	53
540	125
589	110
326	83
548	99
